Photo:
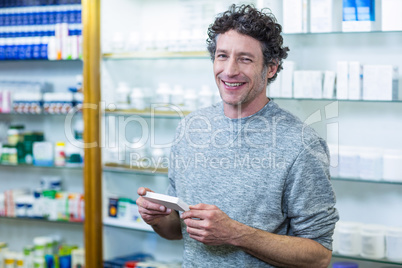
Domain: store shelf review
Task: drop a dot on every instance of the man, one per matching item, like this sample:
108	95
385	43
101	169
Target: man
257	178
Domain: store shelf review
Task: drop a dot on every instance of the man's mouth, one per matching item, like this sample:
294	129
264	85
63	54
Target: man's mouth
236	84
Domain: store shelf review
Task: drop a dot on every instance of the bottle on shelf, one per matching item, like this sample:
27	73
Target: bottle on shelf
60	154
177	97
205	97
137	99
163	94
122	95
190	100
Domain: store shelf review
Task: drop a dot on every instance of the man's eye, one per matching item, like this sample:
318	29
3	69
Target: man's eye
221	56
246	60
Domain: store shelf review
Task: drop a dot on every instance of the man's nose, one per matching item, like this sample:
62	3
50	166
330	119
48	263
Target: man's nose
232	67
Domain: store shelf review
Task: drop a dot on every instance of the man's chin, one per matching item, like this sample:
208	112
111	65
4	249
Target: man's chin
234	103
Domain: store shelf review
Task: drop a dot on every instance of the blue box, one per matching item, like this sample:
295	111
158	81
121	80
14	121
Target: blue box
365	10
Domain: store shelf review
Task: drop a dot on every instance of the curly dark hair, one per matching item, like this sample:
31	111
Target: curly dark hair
260	25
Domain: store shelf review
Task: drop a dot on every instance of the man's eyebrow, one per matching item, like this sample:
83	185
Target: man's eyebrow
248	54
221	51
251	55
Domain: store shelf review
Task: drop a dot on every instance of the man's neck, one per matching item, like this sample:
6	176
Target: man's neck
244	109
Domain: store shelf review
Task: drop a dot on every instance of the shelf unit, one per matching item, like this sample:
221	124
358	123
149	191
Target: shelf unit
311	51
29	166
155	55
358	258
41	220
172	114
62	75
127	225
111	167
18	232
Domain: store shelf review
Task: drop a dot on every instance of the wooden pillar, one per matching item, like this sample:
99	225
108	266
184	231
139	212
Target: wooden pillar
91	113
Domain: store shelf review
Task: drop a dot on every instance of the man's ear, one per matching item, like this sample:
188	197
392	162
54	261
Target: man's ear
272	70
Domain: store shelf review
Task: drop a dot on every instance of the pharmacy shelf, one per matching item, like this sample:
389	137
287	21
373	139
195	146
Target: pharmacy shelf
340	32
118	168
366	181
113	167
41	60
340	100
35	114
168	114
41	220
127	225
155	55
359	258
28	166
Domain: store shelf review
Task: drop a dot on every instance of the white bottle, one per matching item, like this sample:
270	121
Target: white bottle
133	42
118	42
73	42
177	97
190	100
161	41
198	40
28	256
9	260
163	94
39	262
205	97
38	204
19	260
185	40
149	41
121	97
173	41
40	246
51	47
137	99
78	257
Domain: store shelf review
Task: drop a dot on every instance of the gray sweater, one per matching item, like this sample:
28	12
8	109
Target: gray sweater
268	171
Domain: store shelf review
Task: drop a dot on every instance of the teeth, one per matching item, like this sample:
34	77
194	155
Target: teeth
233	84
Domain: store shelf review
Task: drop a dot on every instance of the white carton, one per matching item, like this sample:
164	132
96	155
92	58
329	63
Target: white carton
315	78
391	19
274	88
287	79
329	85
321	13
377	82
342	82
298	88
168	201
294	16
354	86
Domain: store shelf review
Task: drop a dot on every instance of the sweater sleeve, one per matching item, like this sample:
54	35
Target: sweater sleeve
309	197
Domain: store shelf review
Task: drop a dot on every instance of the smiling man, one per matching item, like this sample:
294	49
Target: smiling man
240	73
256	177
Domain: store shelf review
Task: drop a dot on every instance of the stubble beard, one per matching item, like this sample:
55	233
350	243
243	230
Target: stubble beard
251	95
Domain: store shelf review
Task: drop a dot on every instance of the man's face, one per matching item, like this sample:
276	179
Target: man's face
238	69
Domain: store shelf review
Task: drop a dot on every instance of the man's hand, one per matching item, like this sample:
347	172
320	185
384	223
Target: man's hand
150	212
209	225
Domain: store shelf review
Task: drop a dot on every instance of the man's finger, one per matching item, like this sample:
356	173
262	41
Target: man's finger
198	224
199	214
202	206
142	191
